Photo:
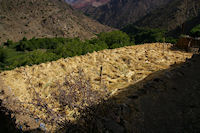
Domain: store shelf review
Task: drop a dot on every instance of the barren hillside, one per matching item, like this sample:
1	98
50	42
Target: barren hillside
174	17
44	18
119	13
85	3
120	67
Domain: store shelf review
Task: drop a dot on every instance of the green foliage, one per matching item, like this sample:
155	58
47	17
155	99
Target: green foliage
171	40
115	39
93	45
38	56
2	55
195	32
39	50
17	59
40	43
144	35
8	43
69	49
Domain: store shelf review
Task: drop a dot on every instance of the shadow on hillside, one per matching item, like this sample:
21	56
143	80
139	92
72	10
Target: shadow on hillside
166	101
7	124
188	25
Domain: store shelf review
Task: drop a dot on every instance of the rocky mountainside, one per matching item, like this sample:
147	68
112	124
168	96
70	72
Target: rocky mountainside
118	13
44	18
177	13
70	1
86	3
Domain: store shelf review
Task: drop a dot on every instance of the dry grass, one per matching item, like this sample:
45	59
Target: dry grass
66	86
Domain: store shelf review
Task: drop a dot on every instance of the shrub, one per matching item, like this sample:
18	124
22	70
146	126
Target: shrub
171	40
3	55
115	39
40	50
141	35
195	32
8	43
75	93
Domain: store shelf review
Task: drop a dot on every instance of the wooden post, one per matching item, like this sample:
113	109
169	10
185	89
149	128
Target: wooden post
163	49
101	70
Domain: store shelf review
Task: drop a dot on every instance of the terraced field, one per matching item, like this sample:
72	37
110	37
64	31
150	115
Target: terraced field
112	70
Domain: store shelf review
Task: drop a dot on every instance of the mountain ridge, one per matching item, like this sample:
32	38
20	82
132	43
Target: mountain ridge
86	3
119	13
174	18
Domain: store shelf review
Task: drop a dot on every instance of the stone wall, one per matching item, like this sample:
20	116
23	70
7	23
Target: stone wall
188	42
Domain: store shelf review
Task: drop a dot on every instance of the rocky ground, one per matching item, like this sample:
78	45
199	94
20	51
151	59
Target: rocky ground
44	18
139	81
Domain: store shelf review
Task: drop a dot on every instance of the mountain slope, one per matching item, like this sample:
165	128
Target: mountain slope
70	1
118	13
86	3
180	12
44	18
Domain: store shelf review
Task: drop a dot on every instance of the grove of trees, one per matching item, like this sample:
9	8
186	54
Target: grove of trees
40	50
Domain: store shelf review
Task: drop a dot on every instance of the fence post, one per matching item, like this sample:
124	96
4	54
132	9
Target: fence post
101	70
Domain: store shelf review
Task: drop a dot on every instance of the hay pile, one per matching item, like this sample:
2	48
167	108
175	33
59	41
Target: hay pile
120	67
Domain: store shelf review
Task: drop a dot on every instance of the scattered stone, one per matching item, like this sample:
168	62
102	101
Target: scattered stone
42	126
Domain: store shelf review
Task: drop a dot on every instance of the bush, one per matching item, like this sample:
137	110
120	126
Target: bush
40	50
9	43
92	45
195	32
3	55
75	93
144	35
40	43
39	56
115	39
171	40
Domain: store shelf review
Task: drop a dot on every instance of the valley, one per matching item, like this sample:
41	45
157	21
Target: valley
99	66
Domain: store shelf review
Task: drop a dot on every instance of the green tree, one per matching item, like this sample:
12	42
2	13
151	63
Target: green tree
195	32
115	39
9	43
3	55
141	35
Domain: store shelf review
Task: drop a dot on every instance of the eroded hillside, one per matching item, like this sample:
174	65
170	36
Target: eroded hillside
119	13
177	16
44	18
120	68
85	3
